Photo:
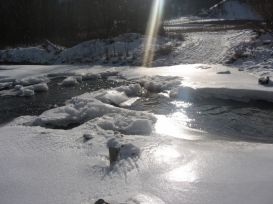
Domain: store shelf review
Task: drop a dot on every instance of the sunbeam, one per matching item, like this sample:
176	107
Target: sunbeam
152	31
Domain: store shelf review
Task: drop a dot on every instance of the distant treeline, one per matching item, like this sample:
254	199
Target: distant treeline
68	22
264	8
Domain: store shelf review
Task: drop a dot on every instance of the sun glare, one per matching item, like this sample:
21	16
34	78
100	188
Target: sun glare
152	31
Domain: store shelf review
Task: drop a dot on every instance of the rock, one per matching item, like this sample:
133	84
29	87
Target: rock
267	42
114	151
264	80
101	201
225	72
87	137
119	151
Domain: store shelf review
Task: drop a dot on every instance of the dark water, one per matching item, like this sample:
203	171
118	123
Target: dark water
14	106
227	119
252	121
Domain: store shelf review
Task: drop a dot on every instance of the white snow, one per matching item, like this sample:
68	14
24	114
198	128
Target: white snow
123	96
51	166
122	50
31	55
29	90
84	108
25	92
203	81
70	81
206	47
255	56
115	97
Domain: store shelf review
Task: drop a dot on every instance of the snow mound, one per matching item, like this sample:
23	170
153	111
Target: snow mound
84	108
159	84
115	97
32	80
30	90
71	81
120	96
132	124
24	91
46	53
127	49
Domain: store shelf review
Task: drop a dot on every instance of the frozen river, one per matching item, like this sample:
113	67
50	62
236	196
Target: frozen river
181	140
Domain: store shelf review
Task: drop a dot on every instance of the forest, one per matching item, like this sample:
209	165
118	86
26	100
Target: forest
68	22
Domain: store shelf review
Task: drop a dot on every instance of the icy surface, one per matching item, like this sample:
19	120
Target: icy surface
62	155
45	166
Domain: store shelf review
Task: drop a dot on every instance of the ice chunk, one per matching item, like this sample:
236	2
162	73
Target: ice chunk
115	97
32	80
40	87
139	127
128	123
159	84
6	85
26	92
76	112
131	90
129	102
70	81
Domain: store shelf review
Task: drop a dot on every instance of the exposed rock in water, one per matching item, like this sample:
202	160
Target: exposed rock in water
101	201
264	80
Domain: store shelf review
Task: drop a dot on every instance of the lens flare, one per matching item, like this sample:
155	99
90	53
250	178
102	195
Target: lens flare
152	31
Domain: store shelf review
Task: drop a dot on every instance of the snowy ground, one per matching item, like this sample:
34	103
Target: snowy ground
206	47
255	56
198	47
163	159
127	49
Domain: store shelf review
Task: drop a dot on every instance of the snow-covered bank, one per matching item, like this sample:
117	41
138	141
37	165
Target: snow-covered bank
44	165
205	81
255	56
127	49
54	166
206	47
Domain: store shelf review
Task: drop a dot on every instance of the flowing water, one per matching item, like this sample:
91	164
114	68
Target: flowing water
220	119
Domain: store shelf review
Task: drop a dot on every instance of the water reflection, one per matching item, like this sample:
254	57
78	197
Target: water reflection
176	125
185	173
166	154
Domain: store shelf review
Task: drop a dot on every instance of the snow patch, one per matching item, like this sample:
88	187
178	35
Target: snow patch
71	81
84	108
